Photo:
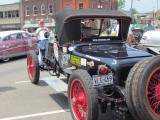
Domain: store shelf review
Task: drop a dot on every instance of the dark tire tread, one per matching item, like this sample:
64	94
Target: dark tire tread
135	86
92	93
128	89
33	54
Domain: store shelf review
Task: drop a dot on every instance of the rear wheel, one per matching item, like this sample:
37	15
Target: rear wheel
146	89
33	67
82	97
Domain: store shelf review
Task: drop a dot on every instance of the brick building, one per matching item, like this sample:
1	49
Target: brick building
45	9
9	17
88	4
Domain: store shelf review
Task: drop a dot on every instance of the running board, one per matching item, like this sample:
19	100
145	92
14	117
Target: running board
69	70
56	83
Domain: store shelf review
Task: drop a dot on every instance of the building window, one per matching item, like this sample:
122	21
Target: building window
80	5
43	10
6	14
92	5
50	9
34	10
106	7
17	13
27	11
67	6
100	7
1	14
13	14
9	14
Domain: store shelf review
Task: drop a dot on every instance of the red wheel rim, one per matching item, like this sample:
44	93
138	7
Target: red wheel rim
31	67
79	102
153	92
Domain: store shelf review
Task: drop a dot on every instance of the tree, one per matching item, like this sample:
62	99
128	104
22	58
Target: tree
133	15
121	3
134	20
133	11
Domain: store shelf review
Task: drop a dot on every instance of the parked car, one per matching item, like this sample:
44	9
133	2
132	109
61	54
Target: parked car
15	43
100	68
151	41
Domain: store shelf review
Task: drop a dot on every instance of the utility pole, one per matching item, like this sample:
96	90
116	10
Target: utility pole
157	5
153	15
20	13
131	8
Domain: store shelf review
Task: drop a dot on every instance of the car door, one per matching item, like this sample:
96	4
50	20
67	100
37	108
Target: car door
30	42
19	46
7	47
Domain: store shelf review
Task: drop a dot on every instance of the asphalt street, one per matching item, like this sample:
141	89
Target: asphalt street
21	100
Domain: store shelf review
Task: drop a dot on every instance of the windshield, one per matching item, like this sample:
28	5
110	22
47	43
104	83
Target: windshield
99	27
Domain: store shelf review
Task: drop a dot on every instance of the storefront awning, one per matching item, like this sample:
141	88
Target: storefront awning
36	25
30	26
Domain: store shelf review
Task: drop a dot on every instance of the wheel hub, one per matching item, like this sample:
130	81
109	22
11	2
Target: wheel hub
31	67
153	92
79	100
157	92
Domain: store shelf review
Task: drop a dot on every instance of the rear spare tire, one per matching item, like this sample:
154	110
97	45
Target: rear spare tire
82	97
33	67
146	89
128	90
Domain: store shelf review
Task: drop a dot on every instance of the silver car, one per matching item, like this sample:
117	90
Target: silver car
151	41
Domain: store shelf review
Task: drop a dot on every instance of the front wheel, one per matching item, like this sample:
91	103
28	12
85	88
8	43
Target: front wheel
33	67
6	59
82	97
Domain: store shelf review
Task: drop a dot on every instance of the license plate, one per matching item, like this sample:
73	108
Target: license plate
102	80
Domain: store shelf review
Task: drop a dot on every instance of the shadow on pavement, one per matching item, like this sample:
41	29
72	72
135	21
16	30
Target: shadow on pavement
6	88
61	99
13	59
42	83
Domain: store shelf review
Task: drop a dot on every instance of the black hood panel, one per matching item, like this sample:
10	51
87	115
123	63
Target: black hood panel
116	51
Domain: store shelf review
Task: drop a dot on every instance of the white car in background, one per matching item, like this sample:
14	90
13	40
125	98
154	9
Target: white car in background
151	41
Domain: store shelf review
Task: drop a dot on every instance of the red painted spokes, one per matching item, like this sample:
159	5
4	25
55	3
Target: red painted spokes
153	92
31	67
79	102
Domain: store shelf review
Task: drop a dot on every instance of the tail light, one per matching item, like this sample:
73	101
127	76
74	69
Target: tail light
103	69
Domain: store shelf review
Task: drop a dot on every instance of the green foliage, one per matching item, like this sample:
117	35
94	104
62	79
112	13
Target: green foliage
121	3
158	17
134	11
134	20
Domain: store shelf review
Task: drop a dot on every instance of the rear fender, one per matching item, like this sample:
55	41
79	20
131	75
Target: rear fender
153	51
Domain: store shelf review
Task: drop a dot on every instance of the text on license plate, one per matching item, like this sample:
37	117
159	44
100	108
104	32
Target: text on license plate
102	80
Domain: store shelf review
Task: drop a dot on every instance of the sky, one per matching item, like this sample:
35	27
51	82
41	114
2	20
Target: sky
141	6
2	2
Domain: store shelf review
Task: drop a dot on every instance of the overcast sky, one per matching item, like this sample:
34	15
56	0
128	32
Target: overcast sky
141	6
2	2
